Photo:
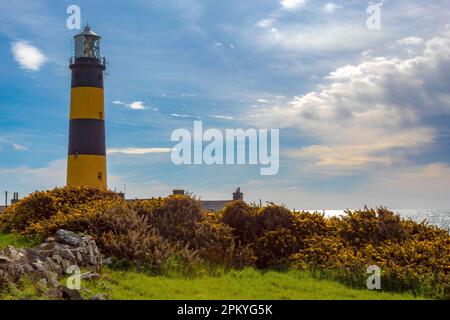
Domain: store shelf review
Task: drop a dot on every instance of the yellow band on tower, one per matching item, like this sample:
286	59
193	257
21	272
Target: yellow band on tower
87	103
87	170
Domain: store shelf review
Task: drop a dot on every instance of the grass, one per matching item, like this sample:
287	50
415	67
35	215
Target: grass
241	285
10	239
245	284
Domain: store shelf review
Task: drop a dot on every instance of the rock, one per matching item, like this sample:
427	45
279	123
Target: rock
28	268
68	255
53	266
54	293
50	260
70	294
79	256
89	276
14	254
108	262
68	237
52	278
46	246
38	266
100	296
42	283
4	259
65	265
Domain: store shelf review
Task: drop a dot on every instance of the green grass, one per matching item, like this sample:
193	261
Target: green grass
10	239
246	284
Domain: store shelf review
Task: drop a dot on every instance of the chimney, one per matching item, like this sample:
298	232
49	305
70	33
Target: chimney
238	195
15	198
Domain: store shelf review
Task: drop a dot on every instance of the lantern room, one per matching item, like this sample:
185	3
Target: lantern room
87	44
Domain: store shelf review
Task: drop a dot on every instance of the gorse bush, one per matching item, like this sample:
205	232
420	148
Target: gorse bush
127	237
179	218
43	211
274	217
243	219
174	234
371	226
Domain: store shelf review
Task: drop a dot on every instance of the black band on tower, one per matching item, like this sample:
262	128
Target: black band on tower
87	137
87	72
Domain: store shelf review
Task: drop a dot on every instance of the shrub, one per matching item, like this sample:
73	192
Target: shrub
274	248
371	226
274	217
175	217
243	220
26	216
75	219
307	225
128	237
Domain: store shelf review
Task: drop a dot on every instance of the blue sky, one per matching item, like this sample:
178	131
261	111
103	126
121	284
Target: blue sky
363	114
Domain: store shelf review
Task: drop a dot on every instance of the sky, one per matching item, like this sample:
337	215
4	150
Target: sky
363	114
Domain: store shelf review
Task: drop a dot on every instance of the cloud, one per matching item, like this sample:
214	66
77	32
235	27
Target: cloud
138	151
177	115
320	38
292	4
16	146
370	114
19	147
26	179
266	23
410	41
28	57
222	117
136	105
331	7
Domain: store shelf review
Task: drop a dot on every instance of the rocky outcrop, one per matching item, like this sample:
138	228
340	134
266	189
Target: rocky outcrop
67	248
46	264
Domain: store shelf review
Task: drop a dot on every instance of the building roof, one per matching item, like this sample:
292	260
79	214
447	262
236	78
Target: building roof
214	205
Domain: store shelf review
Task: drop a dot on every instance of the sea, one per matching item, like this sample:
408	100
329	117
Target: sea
437	217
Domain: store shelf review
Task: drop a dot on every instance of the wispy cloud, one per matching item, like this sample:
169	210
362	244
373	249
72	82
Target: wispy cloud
292	4
136	105
222	117
410	41
28	56
138	151
16	146
177	115
331	7
19	147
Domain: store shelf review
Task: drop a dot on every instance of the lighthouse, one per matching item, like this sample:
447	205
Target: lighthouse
86	164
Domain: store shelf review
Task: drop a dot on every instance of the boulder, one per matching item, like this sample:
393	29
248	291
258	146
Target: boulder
68	237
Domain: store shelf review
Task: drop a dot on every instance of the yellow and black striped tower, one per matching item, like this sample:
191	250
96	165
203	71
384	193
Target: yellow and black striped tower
86	165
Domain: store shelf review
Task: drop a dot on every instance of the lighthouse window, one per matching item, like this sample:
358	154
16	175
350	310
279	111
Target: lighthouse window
100	176
99	77
77	75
